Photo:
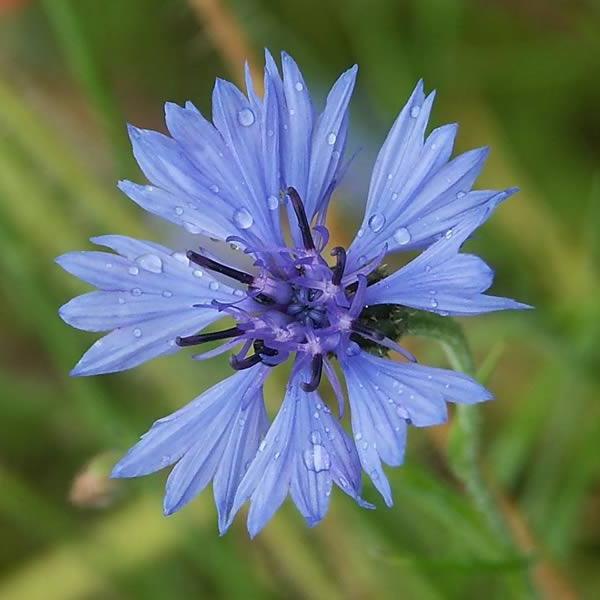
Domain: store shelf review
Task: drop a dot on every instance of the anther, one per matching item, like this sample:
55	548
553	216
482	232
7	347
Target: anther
201	338
261	349
213	265
303	223
317	371
340	265
239	364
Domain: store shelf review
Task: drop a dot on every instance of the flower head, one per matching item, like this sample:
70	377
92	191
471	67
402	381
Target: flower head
233	179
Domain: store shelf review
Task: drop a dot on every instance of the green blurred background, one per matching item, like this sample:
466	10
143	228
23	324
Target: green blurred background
519	76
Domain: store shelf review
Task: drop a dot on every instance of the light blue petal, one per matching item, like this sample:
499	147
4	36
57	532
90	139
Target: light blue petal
304	452
149	295
328	143
217	432
442	280
223	445
415	193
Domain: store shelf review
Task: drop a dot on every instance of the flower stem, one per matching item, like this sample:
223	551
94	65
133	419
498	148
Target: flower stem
464	440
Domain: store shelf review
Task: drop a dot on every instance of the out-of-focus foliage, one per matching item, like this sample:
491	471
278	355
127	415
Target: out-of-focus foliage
519	76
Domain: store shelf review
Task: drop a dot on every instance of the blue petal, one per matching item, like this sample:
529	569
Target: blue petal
213	436
415	193
442	280
329	143
386	395
148	295
304	452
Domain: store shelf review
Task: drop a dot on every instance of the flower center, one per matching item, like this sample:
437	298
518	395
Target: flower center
296	303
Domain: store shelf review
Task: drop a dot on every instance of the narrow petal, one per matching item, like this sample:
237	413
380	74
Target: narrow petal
304	452
148	295
213	436
442	280
416	191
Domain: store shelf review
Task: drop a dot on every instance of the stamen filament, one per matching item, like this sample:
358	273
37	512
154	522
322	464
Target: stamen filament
213	265
201	338
303	223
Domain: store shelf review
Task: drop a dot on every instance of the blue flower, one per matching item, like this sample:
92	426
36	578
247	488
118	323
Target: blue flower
232	179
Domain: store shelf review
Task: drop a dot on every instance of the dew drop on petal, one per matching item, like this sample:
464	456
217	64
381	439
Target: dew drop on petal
360	233
358	436
121	300
448	234
414	111
191	228
243	219
214	188
317	459
167	293
108	265
402	236
376	222
331	138
272	202
136	292
178	211
133	270
460	195
299	86
150	262
182	258
434	303
214	285
427	268
137	332
315	437
246	117
238	292
262	446
198	273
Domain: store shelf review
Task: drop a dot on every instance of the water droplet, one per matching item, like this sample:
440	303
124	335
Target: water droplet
182	258
395	196
427	268
150	262
246	117
198	273
414	111
214	188
317	459
362	260
343	482
262	446
460	195
214	285
402	236
449	234
365	445
108	265
243	219
137	332
276	455
270	132
292	112
178	210
331	138
315	437
389	176
358	436
376	222
401	412
238	292
133	270
434	303
121	300
360	232
191	228
167	293
136	292
299	87
272	202
353	349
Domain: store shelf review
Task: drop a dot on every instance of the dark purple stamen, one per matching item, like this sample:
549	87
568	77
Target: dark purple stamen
303	223
260	348
213	265
201	338
340	265
317	371
239	364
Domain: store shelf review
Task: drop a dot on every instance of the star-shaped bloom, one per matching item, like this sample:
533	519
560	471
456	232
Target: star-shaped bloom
232	179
